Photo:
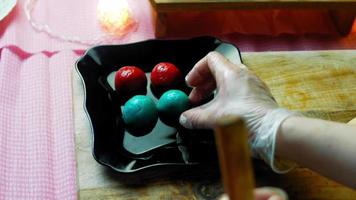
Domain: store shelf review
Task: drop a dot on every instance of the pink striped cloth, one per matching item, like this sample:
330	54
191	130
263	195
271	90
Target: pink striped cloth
37	156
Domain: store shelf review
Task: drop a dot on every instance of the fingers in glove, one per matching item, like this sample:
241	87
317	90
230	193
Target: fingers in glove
212	67
200	117
202	92
267	193
270	193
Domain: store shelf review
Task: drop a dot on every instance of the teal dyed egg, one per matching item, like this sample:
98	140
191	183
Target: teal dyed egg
172	103
140	112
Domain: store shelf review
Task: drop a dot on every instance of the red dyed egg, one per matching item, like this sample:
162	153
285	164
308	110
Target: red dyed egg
165	75
130	80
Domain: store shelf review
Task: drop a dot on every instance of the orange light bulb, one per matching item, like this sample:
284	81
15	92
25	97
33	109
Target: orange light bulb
115	17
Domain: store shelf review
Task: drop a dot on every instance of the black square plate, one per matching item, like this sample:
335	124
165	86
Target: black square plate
165	145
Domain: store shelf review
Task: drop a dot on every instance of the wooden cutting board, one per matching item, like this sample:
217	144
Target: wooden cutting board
320	84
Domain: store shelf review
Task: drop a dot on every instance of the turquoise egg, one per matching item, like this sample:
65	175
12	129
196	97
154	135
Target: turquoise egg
172	103
139	112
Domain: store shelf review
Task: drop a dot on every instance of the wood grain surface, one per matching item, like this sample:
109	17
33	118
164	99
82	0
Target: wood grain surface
320	84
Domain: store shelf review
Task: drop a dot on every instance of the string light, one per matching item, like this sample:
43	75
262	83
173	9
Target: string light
127	24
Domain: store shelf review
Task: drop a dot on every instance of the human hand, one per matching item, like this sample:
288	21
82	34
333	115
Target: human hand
352	122
265	193
238	92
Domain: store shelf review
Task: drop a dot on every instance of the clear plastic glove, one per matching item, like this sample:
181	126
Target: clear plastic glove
238	92
265	193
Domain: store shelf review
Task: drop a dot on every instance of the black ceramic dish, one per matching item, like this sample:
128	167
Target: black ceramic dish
113	146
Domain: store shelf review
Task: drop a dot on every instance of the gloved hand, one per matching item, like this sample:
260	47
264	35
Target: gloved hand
265	193
238	92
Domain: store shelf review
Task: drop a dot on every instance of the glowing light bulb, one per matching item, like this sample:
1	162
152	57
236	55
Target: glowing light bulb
115	17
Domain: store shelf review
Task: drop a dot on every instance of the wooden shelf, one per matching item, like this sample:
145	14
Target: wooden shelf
174	5
341	11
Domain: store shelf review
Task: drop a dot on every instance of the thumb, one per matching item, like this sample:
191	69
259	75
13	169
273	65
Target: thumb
265	193
197	118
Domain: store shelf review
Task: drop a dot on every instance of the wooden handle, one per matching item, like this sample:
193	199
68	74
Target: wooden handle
234	156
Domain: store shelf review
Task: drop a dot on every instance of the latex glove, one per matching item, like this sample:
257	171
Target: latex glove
352	122
238	92
265	193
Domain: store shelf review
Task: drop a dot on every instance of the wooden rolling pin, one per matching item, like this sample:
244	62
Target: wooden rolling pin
234	157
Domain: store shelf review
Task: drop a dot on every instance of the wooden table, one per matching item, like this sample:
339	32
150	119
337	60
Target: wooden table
342	11
320	84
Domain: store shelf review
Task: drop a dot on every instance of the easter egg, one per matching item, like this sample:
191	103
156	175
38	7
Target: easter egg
130	80
165	75
172	103
140	112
